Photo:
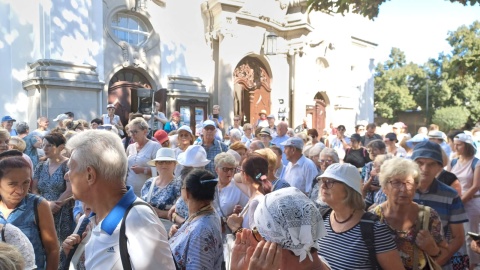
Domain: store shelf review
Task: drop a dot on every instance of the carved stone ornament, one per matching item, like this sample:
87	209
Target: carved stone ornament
252	76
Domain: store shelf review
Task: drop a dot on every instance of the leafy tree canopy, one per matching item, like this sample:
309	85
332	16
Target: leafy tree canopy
366	8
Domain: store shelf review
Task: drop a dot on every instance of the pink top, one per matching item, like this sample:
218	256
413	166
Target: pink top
463	171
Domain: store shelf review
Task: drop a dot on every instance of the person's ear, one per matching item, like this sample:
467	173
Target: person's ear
91	175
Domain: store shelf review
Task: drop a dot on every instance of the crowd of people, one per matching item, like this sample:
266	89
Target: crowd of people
153	194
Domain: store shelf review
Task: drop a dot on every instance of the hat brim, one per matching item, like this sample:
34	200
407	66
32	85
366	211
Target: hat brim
186	163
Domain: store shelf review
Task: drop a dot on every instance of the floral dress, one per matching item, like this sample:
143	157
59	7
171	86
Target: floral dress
51	187
162	198
405	240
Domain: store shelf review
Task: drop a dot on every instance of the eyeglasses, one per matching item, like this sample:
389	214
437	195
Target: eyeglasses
327	183
183	134
45	145
400	185
327	161
236	119
105	127
226	169
209	128
264	136
133	132
256	234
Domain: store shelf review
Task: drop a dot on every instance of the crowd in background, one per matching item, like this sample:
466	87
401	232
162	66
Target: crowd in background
260	195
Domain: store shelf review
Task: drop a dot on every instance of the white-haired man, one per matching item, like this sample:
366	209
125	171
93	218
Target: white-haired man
97	171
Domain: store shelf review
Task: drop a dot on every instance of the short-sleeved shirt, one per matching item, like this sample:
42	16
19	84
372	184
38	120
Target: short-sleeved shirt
147	239
216	148
279	184
198	244
301	174
447	177
226	199
347	250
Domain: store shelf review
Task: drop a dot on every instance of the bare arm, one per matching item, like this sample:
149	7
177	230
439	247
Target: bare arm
468	195
390	260
49	235
456	241
456	185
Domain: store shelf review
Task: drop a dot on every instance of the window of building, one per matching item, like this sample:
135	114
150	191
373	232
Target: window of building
129	28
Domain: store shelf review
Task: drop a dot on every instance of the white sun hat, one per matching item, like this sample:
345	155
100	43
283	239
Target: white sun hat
194	156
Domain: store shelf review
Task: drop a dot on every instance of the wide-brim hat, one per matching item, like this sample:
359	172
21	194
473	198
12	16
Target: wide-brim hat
435	134
163	154
428	149
345	173
262	112
265	131
194	156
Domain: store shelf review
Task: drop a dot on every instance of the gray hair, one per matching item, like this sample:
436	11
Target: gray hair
330	152
22	127
236	134
101	150
139	122
257	144
398	167
225	159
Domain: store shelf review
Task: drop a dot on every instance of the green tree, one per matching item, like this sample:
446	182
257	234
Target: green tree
393	85
449	118
366	8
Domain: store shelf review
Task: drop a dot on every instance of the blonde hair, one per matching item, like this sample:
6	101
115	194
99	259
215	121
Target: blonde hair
10	257
17	143
140	123
269	155
398	167
4	134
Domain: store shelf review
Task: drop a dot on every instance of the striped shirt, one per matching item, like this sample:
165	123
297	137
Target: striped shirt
347	250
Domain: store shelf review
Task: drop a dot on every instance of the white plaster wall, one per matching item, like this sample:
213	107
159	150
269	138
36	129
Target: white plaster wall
62	100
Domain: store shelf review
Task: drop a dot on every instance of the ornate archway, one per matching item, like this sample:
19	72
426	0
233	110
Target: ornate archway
251	89
120	92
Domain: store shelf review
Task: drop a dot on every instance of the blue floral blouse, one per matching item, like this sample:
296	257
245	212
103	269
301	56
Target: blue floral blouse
162	198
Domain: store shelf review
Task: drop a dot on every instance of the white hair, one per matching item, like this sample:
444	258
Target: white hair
236	134
101	150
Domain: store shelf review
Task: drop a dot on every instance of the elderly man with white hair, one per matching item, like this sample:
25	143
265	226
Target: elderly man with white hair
235	135
97	171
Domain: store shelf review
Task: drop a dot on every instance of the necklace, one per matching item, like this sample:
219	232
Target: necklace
341	222
205	209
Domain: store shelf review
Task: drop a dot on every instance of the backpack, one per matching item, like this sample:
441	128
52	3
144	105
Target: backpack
366	227
455	160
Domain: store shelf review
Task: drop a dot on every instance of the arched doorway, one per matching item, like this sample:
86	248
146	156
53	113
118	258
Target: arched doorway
251	89
319	112
120	92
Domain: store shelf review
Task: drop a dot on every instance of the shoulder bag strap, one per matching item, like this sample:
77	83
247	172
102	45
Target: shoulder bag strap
366	228
150	191
418	226
123	237
2	232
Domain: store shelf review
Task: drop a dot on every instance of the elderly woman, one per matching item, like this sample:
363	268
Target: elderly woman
185	138
341	190
314	155
417	229
229	198
271	157
139	153
112	119
198	242
466	168
247	134
194	157
49	182
374	148
327	157
256	185
275	237
28	212
163	190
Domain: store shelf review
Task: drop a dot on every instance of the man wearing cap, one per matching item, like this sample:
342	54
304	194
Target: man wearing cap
212	146
7	123
439	137
442	198
370	134
281	137
340	142
300	170
265	136
272	126
59	119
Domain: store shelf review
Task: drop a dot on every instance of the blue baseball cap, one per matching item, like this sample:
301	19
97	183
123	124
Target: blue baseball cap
8	118
294	142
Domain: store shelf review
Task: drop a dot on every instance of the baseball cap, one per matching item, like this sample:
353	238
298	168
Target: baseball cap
294	142
271	116
161	136
207	123
435	134
110	106
61	116
345	173
462	137
185	128
8	118
416	139
428	149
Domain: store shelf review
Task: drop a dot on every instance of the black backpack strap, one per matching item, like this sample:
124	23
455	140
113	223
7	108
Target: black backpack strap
366	227
123	237
2	232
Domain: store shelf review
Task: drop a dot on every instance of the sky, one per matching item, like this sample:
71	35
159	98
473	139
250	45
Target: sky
419	27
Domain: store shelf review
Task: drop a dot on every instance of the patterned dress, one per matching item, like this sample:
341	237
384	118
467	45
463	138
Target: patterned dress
162	198
51	187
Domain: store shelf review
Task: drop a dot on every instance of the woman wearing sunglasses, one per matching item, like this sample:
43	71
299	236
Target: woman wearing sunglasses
344	247
406	219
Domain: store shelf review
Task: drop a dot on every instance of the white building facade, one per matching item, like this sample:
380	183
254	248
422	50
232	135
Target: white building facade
79	55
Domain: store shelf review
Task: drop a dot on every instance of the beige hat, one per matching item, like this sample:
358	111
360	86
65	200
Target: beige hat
262	112
163	154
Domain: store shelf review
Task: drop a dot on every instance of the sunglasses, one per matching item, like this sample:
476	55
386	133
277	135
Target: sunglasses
105	127
161	162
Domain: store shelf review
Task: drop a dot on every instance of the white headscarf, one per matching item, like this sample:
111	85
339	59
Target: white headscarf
289	218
